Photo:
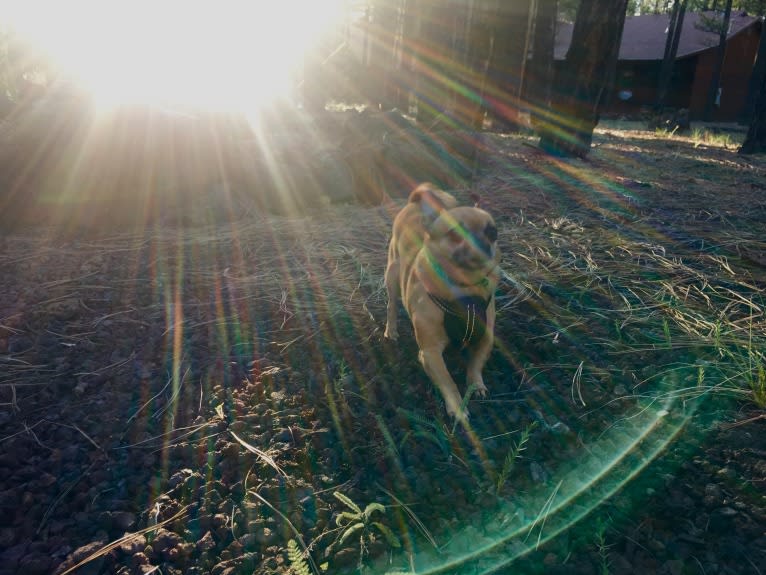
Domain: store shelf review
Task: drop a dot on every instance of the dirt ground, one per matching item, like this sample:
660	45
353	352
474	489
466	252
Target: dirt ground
192	399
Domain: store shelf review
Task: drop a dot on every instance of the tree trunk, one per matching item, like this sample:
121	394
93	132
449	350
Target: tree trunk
478	59
432	53
756	78
540	74
671	49
715	81
508	52
755	141
583	81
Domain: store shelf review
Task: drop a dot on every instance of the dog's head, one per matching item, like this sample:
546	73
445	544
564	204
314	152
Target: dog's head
465	236
458	237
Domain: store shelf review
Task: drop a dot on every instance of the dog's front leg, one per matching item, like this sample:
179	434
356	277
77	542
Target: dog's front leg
476	363
436	369
428	321
480	354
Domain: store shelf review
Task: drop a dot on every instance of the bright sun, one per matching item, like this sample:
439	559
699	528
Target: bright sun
226	55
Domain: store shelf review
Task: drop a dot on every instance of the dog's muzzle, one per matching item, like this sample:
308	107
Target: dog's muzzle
473	255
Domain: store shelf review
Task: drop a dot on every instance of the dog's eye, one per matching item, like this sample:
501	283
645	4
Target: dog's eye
455	236
491	233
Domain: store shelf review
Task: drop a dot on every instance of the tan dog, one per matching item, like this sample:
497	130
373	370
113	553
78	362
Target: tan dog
443	263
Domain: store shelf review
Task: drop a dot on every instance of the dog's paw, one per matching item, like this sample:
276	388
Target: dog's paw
479	388
461	415
391	333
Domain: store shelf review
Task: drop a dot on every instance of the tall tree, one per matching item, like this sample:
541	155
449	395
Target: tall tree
540	72
715	81
671	49
756	78
755	141
505	76
584	80
567	10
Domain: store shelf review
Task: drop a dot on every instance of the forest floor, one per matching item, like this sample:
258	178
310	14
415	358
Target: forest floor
220	399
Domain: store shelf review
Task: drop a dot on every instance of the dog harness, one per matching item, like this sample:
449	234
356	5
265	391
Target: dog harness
465	318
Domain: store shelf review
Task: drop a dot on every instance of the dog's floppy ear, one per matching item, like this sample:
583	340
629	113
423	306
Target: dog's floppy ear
432	201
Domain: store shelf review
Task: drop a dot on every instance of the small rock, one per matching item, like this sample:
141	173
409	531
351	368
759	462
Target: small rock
265	536
235	548
345	558
35	564
92	567
139	559
712	495
7	537
619	565
238	426
11	557
133	545
713	490
727	512
117	520
164	540
46	479
207	543
283	436
124	520
727	473
248	541
674	567
550	560
230	451
179	477
185	550
537	472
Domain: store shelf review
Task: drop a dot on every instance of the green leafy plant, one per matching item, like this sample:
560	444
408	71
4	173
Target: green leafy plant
425	428
429	430
513	456
703	136
758	384
342	377
358	522
298	564
604	562
666	331
745	364
665	132
391	449
751	366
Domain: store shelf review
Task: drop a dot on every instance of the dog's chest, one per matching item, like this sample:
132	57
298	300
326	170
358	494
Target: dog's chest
465	318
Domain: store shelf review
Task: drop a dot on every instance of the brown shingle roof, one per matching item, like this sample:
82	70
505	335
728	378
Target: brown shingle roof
644	36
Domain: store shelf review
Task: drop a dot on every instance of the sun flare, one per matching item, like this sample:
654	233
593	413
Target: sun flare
234	55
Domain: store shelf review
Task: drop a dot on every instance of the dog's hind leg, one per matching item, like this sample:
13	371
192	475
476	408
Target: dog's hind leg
392	288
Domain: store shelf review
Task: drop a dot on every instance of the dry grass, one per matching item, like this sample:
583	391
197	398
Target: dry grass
642	268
